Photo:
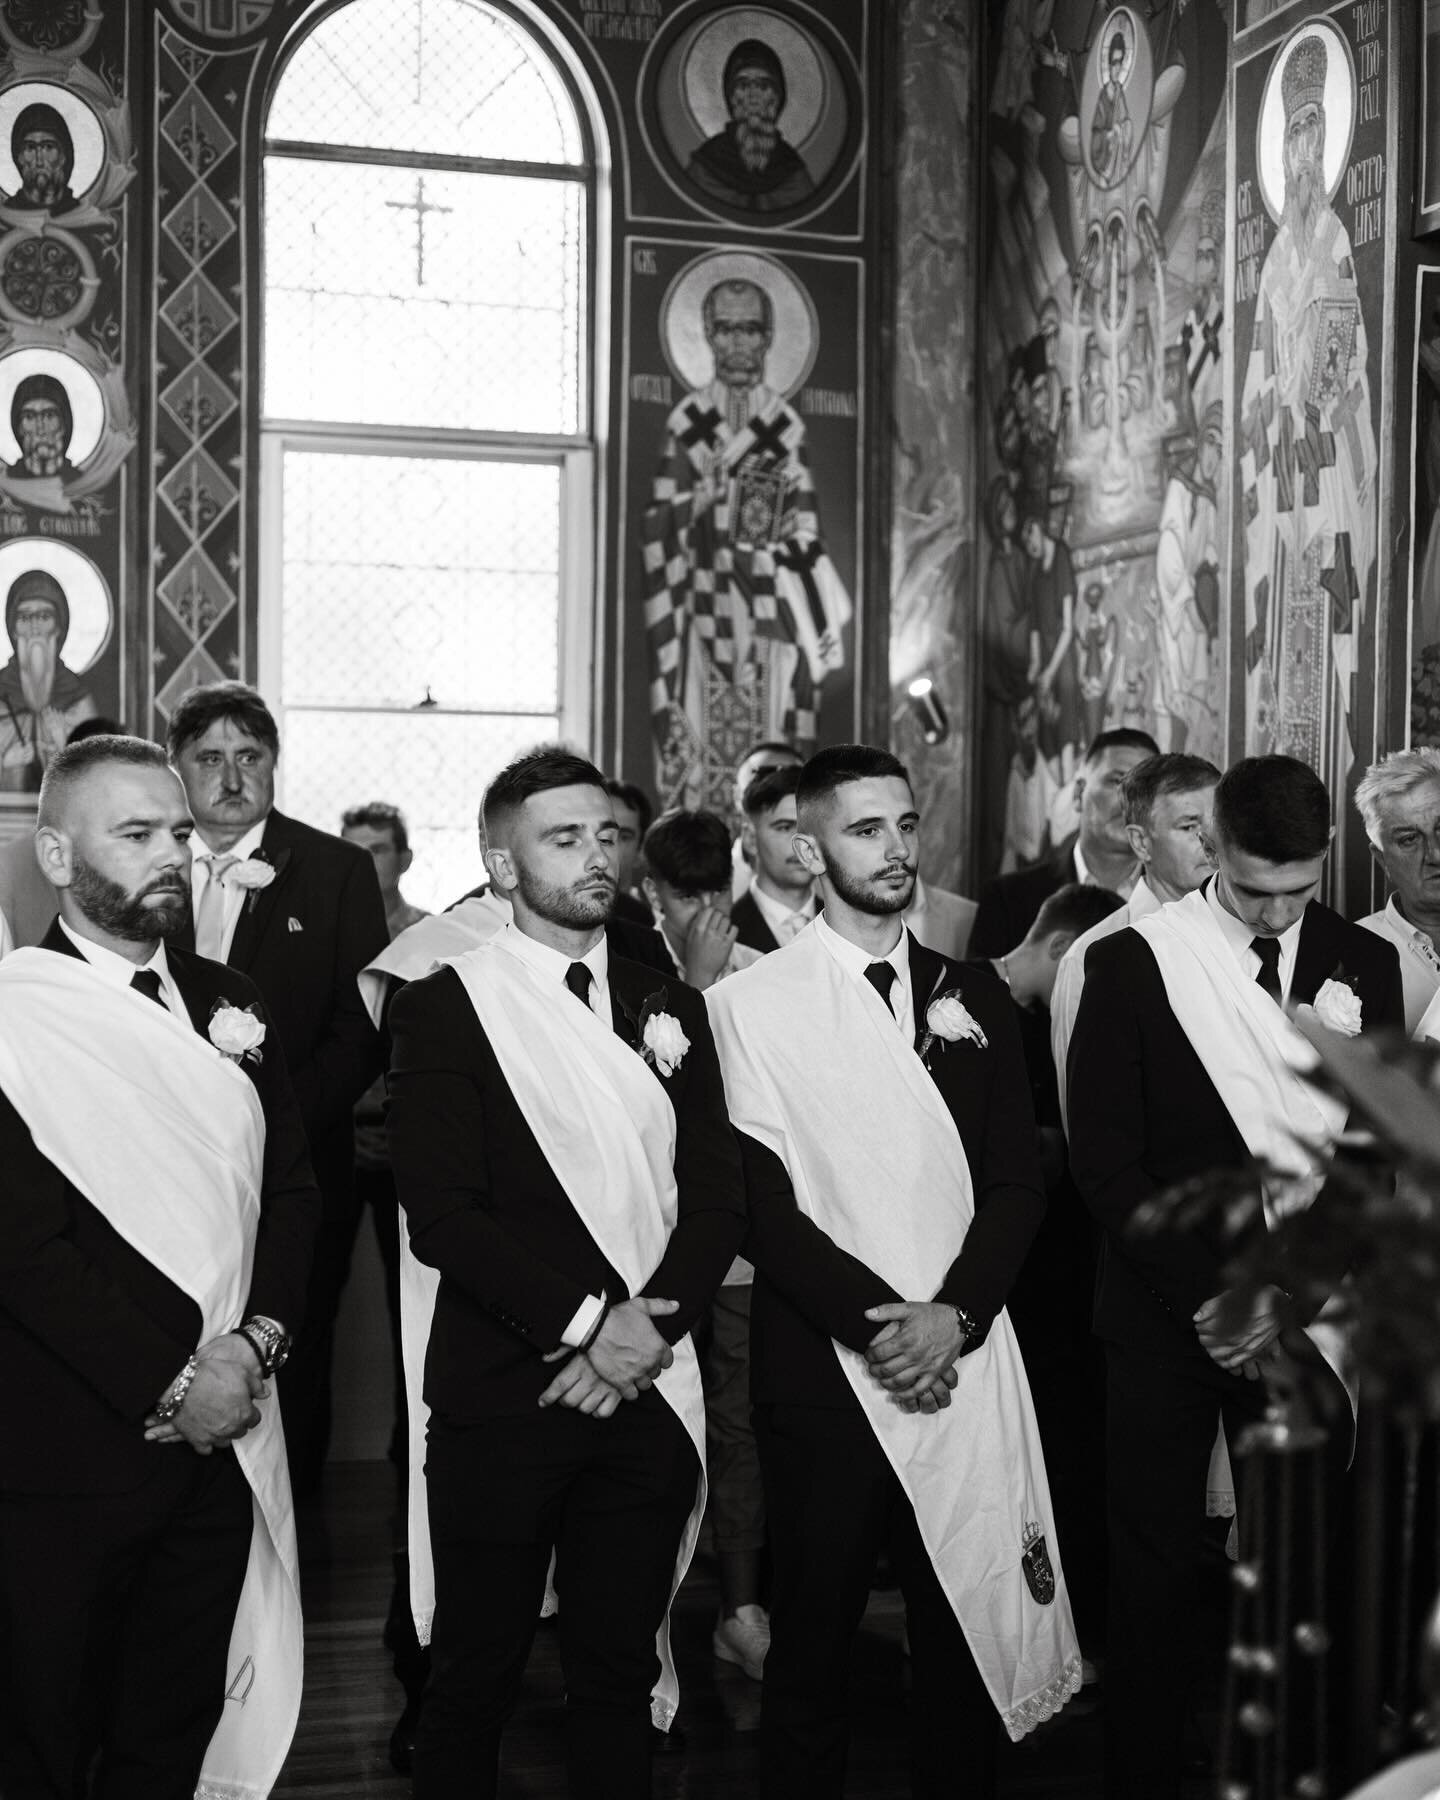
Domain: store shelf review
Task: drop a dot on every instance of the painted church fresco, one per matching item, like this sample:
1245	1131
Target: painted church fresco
1311	460
1103	519
743	478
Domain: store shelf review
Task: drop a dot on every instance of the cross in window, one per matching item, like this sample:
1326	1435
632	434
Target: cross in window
419	206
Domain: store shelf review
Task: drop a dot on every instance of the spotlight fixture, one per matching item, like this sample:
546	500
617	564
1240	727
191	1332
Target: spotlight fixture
929	710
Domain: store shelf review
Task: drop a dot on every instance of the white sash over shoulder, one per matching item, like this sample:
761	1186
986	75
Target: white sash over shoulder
1255	1058
427	943
817	1072
171	1152
607	1128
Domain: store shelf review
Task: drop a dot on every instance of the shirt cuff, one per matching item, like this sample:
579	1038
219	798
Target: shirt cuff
580	1327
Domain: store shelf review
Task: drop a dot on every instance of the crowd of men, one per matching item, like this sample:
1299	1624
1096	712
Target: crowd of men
727	1175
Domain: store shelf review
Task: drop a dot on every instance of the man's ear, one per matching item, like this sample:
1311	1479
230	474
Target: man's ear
1058	943
53	853
1079	798
1379	855
500	867
807	849
747	839
1139	842
407	856
651	892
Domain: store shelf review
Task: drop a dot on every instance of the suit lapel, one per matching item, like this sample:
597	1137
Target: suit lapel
259	904
927	974
1315	956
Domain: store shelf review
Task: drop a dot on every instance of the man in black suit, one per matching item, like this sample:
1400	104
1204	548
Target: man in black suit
535	1153
885	1232
1098	855
125	1534
781	899
300	912
1152	1104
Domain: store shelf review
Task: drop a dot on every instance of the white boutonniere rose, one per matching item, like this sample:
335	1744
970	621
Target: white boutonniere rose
252	873
664	1042
237	1032
1337	1007
949	1021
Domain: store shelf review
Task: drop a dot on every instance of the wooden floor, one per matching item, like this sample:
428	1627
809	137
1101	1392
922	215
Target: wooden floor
352	1700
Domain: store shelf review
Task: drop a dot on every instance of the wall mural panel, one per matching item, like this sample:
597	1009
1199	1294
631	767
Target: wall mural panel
1312	459
1103	395
67	433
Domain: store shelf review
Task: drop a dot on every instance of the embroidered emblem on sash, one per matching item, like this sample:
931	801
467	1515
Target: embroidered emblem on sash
1039	1576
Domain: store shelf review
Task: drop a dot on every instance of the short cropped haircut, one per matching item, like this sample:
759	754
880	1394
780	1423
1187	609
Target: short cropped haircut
690	850
203	706
1074	908
766	791
631	794
1273	807
69	765
776	747
1391	779
536	772
1171	773
829	770
379	815
1123	737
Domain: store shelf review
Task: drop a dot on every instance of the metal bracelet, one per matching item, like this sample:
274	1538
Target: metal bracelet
269	1340
179	1388
965	1322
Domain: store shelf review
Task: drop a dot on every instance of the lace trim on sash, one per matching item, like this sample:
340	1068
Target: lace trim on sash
1044	1704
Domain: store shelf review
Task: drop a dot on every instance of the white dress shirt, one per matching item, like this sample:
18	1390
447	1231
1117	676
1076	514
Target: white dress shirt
1419	962
785	922
235	895
554	965
1238	935
118	970
855	961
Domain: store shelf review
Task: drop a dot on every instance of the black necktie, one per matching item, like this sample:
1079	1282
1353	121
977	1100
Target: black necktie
881	976
577	979
1268	950
147	982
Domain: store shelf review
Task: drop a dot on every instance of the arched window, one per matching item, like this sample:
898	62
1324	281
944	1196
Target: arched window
428	466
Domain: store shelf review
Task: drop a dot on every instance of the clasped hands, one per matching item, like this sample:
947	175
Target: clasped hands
1242	1340
913	1355
619	1365
220	1404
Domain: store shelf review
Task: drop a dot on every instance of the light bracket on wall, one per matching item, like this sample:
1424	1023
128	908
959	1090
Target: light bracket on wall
929	710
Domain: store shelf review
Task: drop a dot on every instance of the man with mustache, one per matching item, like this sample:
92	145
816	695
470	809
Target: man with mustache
749	164
41	701
1308	462
41	418
300	913
159	1211
44	155
573	1197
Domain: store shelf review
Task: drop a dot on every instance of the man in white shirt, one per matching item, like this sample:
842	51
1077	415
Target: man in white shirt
781	899
759	759
1399	800
1169	806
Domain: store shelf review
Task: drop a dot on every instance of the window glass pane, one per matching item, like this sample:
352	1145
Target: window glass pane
447	76
434	767
403	574
397	297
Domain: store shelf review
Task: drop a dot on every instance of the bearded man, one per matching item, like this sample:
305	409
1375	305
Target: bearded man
43	424
41	701
749	164
44	155
1308	460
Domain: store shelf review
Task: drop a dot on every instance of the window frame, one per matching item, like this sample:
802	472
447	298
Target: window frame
579	457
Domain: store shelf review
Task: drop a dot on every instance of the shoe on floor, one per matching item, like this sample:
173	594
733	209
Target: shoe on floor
743	1638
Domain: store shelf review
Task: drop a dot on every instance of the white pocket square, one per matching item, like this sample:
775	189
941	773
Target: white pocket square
293	924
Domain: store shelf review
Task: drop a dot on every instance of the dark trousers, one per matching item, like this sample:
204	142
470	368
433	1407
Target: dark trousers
1161	1421
115	1620
834	1503
611	1496
304	1385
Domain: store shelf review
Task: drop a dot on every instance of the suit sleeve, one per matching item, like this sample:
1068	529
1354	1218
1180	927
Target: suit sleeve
990	933
1107	1105
289	1198
1006	1175
710	1218
50	1287
348	1056
437	1130
825	1284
